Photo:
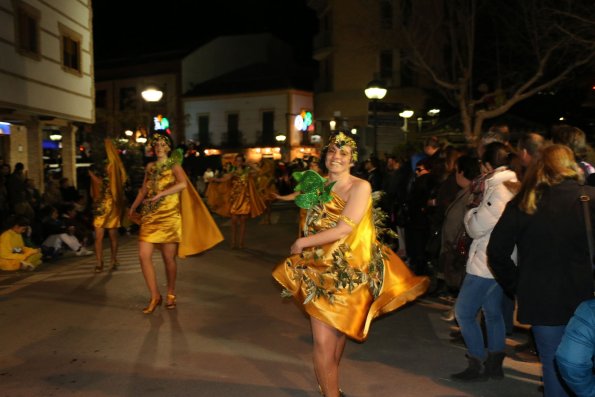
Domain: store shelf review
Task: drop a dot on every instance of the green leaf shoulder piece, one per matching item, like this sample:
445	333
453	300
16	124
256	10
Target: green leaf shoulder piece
313	189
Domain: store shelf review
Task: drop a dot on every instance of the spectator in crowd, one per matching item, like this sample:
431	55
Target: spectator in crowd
4	198
57	235
546	225
576	351
373	173
52	195
68	192
17	192
576	140
14	254
454	249
417	226
479	290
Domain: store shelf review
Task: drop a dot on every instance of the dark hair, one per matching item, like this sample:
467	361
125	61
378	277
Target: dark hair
19	220
496	154
469	166
425	162
433	142
531	142
573	137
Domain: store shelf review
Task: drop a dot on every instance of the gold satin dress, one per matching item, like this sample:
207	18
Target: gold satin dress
236	196
244	198
265	182
107	213
176	218
347	283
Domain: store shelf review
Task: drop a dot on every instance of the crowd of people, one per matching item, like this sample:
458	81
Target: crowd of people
478	224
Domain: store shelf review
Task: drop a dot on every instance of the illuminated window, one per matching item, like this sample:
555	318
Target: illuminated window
27	30
70	43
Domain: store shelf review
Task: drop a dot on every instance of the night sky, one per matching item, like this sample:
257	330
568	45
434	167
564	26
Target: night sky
122	30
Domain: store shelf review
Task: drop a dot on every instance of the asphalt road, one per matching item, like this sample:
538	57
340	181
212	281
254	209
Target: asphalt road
66	331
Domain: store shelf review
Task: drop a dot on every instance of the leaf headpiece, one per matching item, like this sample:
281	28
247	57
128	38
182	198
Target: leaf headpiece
341	140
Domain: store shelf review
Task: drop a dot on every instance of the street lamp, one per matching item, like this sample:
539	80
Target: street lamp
152	94
374	92
405	114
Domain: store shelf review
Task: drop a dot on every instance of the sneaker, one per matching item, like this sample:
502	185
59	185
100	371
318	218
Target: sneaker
83	252
27	266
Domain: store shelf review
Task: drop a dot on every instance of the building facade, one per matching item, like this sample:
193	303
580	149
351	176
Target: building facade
358	41
46	81
246	95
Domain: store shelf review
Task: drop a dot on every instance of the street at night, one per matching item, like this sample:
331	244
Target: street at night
69	332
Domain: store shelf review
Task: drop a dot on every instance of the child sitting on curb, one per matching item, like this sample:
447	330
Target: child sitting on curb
14	255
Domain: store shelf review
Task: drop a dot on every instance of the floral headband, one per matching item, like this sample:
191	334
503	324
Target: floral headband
341	140
154	138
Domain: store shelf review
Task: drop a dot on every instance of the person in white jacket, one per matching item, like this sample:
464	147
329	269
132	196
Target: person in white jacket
479	289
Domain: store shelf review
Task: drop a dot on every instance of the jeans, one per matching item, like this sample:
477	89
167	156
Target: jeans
486	294
547	339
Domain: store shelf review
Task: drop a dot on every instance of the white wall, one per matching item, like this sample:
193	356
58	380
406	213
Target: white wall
285	104
42	86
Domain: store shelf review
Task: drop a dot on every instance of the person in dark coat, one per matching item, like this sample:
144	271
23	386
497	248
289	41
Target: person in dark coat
553	274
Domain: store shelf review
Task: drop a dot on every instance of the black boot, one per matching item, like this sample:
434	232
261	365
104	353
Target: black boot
493	365
473	373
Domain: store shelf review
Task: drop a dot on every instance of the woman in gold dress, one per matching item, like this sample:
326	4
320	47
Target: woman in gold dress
338	271
265	184
107	191
244	199
172	218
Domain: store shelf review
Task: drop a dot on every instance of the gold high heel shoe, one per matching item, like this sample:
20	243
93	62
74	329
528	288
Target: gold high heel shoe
153	305
114	266
171	302
99	268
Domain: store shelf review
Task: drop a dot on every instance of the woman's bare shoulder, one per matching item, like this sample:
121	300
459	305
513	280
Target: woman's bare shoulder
360	184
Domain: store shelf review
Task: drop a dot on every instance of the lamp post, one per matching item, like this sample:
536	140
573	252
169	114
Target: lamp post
405	114
151	94
374	92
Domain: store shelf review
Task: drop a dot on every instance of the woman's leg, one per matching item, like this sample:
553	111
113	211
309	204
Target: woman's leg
547	339
113	238
328	348
243	219
467	305
146	262
234	229
493	313
99	232
168	252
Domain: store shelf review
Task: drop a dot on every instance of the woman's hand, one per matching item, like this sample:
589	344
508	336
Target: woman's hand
154	198
297	247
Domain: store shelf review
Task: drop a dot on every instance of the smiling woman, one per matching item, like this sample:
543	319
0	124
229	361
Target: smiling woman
338	270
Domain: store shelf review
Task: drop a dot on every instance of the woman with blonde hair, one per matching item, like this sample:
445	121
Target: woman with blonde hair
546	222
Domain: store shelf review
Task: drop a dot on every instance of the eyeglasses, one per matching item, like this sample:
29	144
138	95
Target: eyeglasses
419	169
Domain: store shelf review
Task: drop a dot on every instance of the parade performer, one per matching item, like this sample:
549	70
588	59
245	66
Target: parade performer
173	218
244	200
107	192
265	184
338	270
